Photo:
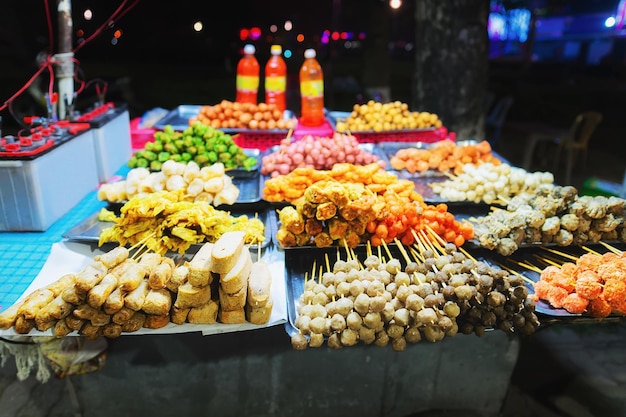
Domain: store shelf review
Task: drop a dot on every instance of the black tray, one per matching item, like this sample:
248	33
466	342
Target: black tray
527	254
89	230
179	117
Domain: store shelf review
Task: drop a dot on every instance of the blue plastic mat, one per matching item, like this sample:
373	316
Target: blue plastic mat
22	254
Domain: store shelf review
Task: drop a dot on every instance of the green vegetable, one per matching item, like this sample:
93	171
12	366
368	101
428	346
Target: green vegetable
164	156
156	165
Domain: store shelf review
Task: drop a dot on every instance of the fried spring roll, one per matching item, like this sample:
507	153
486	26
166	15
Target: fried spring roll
34	302
100	319
61	329
99	294
135	299
113	257
8	316
90	276
73	295
178	278
58	286
150	260
112	330
123	315
85	311
114	302
43	320
160	275
132	277
135	322
118	270
23	325
90	331
59	308
74	323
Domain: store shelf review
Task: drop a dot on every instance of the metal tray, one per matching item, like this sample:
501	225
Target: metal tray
336	116
368	147
89	230
179	117
389	149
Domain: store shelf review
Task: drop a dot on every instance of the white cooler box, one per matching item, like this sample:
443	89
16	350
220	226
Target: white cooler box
37	191
111	133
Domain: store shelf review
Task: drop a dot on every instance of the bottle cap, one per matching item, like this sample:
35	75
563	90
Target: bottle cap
249	49
309	53
276	49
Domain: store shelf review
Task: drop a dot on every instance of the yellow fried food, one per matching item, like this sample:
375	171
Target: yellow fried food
163	223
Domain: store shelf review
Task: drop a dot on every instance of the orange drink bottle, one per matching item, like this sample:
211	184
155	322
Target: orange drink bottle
247	76
276	79
311	90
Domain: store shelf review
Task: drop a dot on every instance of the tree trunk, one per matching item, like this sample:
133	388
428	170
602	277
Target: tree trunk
452	63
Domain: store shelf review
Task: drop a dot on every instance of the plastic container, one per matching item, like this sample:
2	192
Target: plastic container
36	192
112	141
247	81
276	79
311	90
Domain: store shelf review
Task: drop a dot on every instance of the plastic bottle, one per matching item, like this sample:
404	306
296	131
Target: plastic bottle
276	79
248	76
311	90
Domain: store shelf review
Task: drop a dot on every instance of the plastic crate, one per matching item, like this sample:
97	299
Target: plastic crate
258	140
140	136
425	136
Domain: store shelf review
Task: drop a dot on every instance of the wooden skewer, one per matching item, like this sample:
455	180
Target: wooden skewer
548	261
435	235
527	266
591	250
611	248
319	277
403	251
467	254
327	262
563	254
387	249
512	271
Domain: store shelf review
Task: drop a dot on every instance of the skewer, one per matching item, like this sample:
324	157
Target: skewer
435	235
503	199
548	261
387	249
512	271
327	262
433	245
319	277
416	255
402	250
563	254
611	248
467	254
527	266
591	250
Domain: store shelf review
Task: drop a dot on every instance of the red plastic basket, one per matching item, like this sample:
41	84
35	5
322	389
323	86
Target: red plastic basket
139	137
258	140
425	136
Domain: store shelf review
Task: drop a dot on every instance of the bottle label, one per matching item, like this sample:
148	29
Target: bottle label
275	84
247	83
314	88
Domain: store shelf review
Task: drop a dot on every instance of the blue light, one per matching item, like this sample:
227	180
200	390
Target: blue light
287	54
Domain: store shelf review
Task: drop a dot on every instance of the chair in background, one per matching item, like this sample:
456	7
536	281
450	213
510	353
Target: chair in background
576	142
496	117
